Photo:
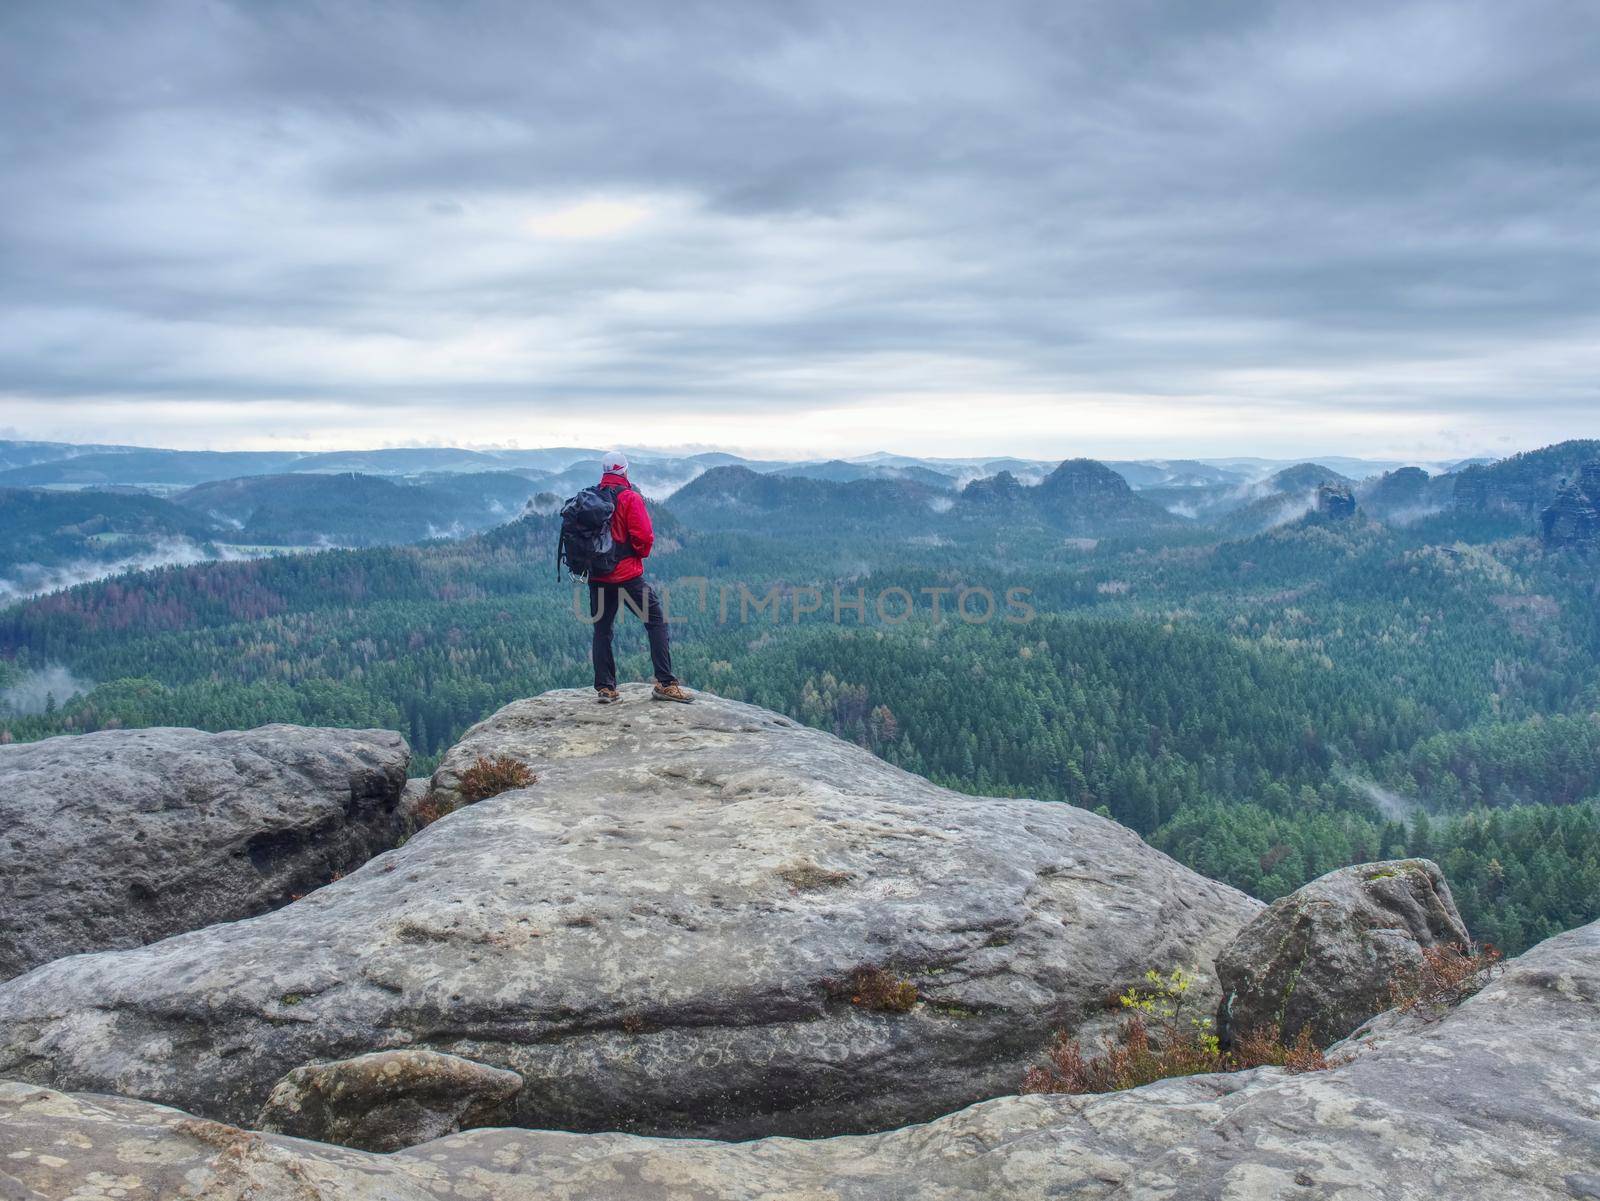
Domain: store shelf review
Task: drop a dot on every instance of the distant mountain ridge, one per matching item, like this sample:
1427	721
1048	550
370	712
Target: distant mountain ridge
1085	496
91	510
844	472
1080	496
24	454
68	465
173	468
733	497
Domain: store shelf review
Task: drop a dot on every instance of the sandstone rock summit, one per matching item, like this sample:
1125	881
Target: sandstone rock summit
698	920
121	837
1572	520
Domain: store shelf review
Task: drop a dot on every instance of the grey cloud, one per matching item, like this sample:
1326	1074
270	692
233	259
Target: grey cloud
232	200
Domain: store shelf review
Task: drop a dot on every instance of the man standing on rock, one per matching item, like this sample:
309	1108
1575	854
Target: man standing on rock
630	527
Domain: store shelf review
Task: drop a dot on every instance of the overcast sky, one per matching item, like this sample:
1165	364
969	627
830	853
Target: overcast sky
1109	228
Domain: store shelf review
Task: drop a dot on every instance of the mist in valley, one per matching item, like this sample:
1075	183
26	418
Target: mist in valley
33	693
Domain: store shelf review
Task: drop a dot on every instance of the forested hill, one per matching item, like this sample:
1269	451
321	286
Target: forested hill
351	509
44	529
1525	483
1265	708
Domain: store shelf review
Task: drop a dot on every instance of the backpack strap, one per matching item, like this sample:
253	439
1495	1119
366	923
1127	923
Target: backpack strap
616	492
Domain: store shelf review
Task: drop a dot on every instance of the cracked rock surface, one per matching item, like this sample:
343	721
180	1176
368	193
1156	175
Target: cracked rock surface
659	935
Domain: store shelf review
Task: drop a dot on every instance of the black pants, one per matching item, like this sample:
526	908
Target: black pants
604	601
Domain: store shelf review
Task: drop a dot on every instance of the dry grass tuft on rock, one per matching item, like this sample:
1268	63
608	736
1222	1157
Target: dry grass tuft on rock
489	777
806	876
877	989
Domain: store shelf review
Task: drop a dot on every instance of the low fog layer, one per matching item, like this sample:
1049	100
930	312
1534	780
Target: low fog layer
33	693
33	579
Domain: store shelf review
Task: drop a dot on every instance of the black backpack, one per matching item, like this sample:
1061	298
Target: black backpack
585	545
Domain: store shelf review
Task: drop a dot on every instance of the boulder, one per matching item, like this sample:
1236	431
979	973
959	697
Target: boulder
387	1100
1326	955
699	920
122	837
1495	1100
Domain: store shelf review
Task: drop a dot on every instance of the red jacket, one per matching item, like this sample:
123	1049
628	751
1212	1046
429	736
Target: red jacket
630	524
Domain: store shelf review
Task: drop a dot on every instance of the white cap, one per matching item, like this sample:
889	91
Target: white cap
614	462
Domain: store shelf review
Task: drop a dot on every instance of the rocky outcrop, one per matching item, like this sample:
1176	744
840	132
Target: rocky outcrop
1001	490
1336	502
1406	495
387	1100
1523	484
415	809
1081	496
732	497
121	837
1495	1100
1403	488
667	933
1572	521
1326	955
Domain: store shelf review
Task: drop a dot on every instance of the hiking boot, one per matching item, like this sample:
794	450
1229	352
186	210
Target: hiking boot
671	692
607	696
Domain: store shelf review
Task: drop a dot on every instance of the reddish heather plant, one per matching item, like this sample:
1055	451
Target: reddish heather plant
490	777
426	813
1265	1047
875	988
1450	973
1175	1047
1132	1059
